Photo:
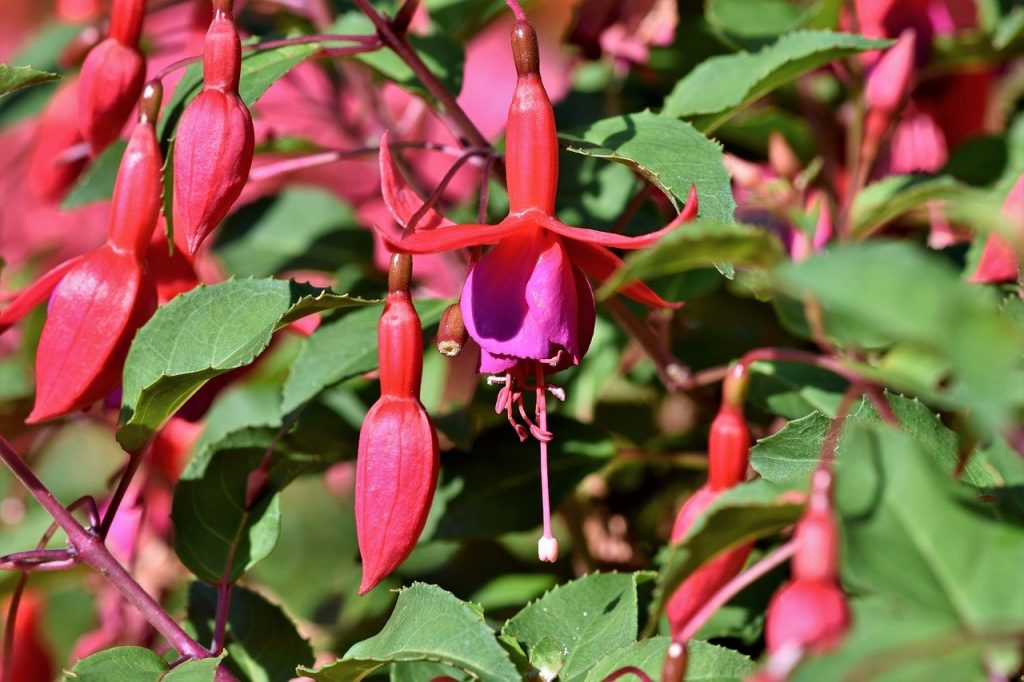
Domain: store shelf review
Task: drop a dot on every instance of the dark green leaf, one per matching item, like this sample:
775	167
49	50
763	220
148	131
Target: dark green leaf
586	619
428	624
717	88
137	664
216	535
203	333
262	642
486	491
753	23
669	153
13	78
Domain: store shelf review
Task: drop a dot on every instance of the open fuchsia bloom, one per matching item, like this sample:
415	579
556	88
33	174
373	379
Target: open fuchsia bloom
101	298
527	302
112	77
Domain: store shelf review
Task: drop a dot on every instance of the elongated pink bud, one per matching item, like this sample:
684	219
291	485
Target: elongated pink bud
136	202
397	462
887	87
112	77
214	143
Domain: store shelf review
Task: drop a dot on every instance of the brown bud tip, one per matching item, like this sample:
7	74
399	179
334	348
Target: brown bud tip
674	668
734	389
400	272
524	49
149	102
451	332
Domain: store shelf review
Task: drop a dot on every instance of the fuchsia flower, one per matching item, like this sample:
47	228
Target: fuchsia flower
527	302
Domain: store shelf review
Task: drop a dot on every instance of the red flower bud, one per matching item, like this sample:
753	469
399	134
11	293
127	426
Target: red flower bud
49	173
728	448
817	541
31	658
531	143
809	614
397	463
215	139
703	583
112	77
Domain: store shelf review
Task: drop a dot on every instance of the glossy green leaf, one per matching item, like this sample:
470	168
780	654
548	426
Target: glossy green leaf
428	624
585	618
203	333
698	245
713	91
13	78
262	642
670	154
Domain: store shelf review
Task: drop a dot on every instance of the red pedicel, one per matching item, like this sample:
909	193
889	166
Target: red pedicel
214	143
397	463
112	77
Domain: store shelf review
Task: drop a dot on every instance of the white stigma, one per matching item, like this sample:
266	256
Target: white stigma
547	549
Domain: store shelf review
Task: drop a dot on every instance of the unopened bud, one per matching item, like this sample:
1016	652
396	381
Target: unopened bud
889	82
734	389
524	49
451	332
781	156
400	273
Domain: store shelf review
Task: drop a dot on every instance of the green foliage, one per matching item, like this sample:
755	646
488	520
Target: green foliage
204	333
715	90
138	664
14	78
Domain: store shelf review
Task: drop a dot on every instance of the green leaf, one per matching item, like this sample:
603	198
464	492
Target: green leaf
713	91
794	390
698	245
300	229
441	54
13	78
705	662
428	624
484	490
912	532
42	51
891	197
342	348
788	456
1010	29
741	515
753	23
902	292
204	333
586	618
216	535
137	664
97	182
670	154
262	641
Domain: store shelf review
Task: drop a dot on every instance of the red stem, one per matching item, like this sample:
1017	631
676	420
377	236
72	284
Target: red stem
628	670
94	553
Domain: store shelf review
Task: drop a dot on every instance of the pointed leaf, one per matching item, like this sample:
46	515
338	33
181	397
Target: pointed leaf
204	333
13	78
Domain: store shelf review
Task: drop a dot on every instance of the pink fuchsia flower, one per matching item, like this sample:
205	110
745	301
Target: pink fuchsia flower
999	261
528	303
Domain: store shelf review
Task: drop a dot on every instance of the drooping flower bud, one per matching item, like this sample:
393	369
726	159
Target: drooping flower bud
112	77
809	614
729	439
214	143
887	87
397	462
451	332
531	143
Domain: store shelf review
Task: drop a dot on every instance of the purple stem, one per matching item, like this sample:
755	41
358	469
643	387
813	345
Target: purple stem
93	552
134	460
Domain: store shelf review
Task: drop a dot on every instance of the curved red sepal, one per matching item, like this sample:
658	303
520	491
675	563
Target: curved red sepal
619	241
600	263
400	199
90	323
454	237
396	473
35	293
